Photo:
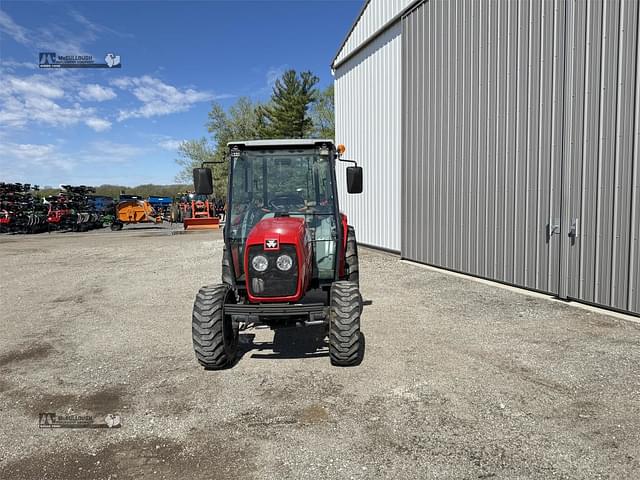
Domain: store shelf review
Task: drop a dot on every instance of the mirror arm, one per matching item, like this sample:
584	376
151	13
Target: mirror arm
346	160
211	163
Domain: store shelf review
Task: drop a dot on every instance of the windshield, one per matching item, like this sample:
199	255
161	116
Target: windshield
267	184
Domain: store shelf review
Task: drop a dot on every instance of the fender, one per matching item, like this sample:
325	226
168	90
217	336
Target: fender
345	230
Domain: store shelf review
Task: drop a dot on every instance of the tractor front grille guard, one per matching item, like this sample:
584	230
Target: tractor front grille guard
273	282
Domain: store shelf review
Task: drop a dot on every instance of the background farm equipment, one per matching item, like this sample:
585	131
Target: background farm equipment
134	211
196	212
162	206
105	206
21	210
73	208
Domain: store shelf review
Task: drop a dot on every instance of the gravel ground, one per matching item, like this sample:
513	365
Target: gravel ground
460	379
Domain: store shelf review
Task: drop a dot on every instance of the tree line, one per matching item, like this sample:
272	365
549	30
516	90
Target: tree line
144	191
296	109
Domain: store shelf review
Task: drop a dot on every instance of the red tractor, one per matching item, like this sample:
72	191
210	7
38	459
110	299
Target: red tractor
290	258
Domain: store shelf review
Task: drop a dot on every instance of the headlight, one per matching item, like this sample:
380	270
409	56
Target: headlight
260	263
284	263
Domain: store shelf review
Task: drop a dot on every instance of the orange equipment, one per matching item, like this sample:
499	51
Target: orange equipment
200	215
134	211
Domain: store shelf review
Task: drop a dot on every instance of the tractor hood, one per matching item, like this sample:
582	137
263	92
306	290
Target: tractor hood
271	239
271	232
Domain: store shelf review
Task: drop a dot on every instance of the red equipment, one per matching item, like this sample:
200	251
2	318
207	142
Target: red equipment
273	236
290	257
201	215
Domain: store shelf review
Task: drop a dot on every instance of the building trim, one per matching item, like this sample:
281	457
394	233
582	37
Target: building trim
353	27
337	64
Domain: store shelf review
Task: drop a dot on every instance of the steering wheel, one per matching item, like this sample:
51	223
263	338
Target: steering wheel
286	202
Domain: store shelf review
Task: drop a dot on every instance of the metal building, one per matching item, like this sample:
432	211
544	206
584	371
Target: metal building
499	138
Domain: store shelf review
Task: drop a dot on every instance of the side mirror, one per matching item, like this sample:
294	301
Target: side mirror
203	181
354	179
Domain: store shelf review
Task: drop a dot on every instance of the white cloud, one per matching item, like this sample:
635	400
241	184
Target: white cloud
27	151
32	86
171	144
25	100
158	98
106	150
15	31
19	159
11	65
96	93
96	27
49	164
98	124
53	38
56	38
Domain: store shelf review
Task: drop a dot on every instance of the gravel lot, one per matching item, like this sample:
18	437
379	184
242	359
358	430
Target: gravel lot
460	379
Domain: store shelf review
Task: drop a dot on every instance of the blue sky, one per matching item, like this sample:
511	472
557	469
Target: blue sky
95	126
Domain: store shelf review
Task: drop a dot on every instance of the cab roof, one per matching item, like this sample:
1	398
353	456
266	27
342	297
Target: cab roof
286	142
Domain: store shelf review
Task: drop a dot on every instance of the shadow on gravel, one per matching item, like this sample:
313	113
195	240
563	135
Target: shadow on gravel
36	351
291	343
294	342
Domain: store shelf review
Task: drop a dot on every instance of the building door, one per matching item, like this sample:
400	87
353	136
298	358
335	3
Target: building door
601	221
482	139
521	140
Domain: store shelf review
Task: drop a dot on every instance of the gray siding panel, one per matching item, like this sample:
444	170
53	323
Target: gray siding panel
491	82
601	142
523	118
634	255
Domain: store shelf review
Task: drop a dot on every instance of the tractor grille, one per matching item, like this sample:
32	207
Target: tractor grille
273	282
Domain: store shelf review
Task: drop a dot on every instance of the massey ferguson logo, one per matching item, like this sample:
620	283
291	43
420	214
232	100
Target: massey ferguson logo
271	244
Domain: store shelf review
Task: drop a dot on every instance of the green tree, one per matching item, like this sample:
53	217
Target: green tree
323	114
239	122
191	154
114	191
287	115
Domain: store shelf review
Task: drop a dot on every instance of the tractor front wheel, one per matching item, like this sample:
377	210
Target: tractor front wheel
346	342
215	340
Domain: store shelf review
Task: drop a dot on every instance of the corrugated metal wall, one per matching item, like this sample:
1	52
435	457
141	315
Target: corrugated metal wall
368	113
482	143
602	130
375	15
521	117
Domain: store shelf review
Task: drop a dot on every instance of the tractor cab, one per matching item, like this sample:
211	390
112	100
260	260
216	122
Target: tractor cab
285	188
290	256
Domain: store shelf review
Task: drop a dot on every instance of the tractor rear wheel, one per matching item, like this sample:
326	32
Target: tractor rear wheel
215	340
346	342
351	257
